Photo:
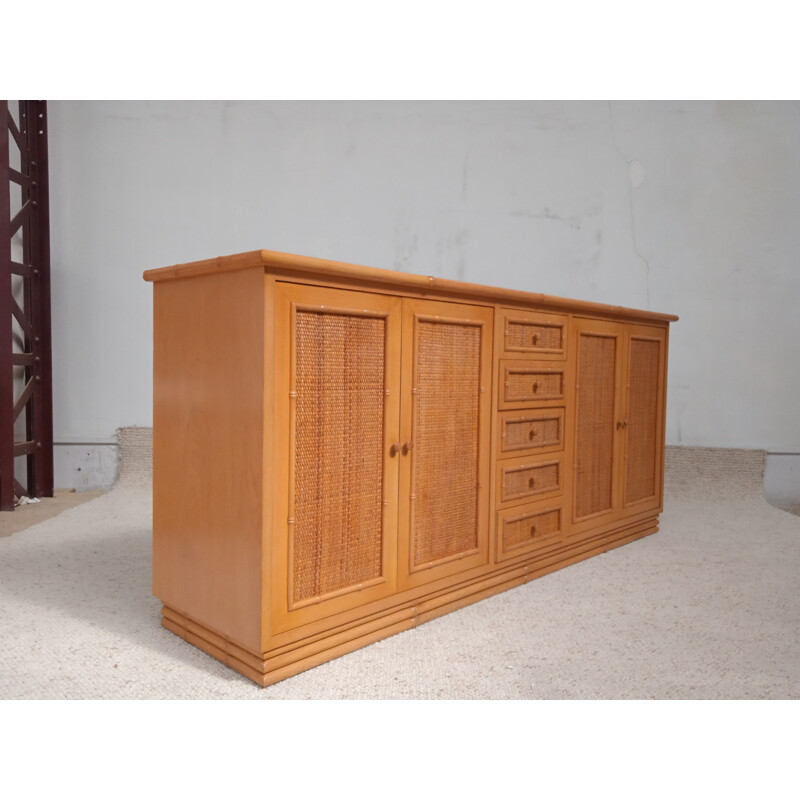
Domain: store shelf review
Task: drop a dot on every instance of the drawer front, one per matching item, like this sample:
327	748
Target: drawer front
523	384
537	335
540	431
520	530
520	479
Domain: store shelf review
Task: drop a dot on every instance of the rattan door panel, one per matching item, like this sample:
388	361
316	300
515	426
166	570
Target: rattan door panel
599	353
446	412
644	417
337	397
533	335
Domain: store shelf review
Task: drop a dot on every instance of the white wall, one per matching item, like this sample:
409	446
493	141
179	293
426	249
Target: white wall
685	207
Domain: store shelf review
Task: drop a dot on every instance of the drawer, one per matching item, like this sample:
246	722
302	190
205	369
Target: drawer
520	480
527	528
535	335
524	383
536	431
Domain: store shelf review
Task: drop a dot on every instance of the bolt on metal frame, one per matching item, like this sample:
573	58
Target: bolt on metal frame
26	395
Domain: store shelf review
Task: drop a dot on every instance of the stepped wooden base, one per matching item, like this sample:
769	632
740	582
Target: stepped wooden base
282	662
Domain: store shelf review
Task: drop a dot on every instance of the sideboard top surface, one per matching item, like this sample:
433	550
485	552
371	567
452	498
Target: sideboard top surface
272	261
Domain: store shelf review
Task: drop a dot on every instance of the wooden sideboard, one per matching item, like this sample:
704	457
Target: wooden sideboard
342	453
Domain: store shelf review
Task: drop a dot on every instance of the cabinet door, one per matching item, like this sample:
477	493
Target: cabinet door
643	425
337	415
446	418
600	355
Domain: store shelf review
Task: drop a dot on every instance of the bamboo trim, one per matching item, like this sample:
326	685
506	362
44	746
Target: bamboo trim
428	285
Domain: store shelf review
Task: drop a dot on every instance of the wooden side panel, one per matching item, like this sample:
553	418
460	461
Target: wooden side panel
644	416
599	362
207	450
444	498
337	401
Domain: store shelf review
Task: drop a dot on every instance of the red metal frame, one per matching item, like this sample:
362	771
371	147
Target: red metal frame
32	315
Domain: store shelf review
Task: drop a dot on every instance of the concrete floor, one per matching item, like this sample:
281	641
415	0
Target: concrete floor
31	514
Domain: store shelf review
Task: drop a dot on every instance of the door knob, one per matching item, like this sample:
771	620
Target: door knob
394	449
407	447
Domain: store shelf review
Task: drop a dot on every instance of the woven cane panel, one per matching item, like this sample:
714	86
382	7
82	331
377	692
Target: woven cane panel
529	527
528	481
532	384
595	434
533	336
530	432
640	470
446	435
338	453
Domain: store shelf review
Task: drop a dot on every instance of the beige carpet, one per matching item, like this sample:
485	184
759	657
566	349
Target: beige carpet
709	607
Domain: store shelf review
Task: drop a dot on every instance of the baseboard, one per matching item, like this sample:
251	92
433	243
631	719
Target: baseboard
782	480
283	662
84	466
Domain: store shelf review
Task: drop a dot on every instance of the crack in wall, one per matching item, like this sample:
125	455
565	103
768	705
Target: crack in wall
634	242
548	213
